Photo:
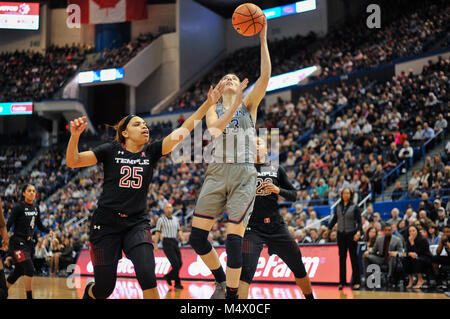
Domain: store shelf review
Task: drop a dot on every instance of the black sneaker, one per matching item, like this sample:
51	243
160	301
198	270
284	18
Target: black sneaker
178	286
168	279
86	290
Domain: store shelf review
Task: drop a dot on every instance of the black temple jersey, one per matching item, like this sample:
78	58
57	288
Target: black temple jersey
265	213
25	218
127	176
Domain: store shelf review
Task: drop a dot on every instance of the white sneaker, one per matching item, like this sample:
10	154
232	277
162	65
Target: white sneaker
220	292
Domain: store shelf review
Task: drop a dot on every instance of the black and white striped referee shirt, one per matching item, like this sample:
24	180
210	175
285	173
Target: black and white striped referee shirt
168	227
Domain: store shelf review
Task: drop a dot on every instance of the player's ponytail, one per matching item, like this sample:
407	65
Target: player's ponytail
120	127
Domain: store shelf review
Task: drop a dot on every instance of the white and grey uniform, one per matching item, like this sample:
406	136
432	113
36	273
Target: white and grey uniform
230	181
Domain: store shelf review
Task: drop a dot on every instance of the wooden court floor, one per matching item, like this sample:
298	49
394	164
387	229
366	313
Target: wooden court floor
72	288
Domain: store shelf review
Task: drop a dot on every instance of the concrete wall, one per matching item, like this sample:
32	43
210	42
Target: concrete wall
201	36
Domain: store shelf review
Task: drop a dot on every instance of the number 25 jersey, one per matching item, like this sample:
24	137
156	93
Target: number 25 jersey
127	176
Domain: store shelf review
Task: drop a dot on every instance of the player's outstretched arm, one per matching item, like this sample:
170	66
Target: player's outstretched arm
172	140
253	99
75	159
215	124
3	231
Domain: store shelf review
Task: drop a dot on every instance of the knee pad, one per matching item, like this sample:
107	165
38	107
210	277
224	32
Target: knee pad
233	247
247	275
102	291
199	241
145	272
105	281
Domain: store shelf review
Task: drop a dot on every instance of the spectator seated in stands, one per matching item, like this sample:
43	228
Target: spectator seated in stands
41	256
438	260
397	192
418	257
395	218
385	251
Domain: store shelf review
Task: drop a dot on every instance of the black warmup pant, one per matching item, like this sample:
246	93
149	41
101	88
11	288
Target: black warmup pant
419	265
279	242
345	242
172	251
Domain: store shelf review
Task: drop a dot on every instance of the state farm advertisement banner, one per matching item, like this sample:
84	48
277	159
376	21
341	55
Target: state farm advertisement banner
19	108
19	15
321	263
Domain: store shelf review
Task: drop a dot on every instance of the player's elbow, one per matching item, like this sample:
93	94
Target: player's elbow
71	163
214	131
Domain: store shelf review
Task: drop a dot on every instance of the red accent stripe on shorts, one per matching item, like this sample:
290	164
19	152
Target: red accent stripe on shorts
203	215
237	221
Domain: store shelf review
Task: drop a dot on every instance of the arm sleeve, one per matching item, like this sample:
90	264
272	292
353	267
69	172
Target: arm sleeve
39	224
102	151
358	218
154	152
286	189
12	219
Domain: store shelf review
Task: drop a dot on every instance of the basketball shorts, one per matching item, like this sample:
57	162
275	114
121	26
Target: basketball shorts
111	234
230	189
21	249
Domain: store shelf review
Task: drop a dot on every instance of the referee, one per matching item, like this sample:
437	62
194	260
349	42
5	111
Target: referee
169	227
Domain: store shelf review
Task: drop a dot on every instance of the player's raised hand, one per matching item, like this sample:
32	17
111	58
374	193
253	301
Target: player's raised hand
263	32
215	94
78	125
240	89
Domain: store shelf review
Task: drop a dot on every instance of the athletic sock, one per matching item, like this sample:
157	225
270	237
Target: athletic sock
219	274
231	293
309	297
29	294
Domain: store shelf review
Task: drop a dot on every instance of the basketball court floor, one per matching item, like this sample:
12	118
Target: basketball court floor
72	288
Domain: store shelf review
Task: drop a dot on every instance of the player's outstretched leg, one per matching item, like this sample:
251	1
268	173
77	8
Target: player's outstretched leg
199	242
233	246
3	288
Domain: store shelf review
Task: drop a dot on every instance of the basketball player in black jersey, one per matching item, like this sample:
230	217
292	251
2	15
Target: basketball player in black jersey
25	217
4	240
120	222
266	226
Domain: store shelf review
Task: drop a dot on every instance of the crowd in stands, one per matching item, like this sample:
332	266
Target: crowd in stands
49	174
118	57
357	133
412	31
356	146
34	76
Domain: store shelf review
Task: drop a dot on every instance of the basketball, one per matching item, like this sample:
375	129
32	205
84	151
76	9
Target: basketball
248	19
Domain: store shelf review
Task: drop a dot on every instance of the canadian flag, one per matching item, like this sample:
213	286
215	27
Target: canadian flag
111	11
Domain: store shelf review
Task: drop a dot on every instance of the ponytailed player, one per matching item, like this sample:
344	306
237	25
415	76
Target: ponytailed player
266	226
25	217
120	223
230	180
